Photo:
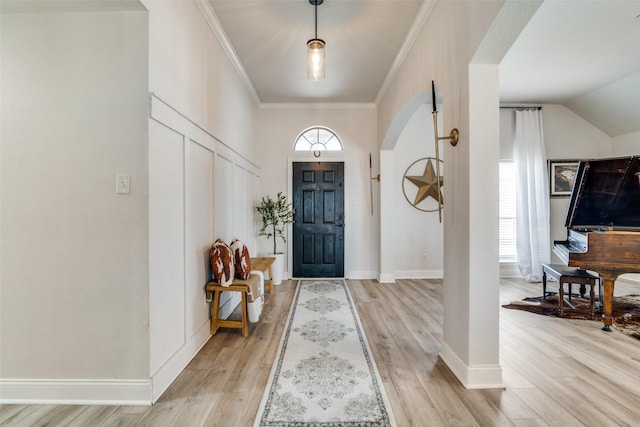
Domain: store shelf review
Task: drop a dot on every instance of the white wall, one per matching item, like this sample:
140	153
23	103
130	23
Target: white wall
190	71
203	176
416	232
74	271
627	145
356	127
568	136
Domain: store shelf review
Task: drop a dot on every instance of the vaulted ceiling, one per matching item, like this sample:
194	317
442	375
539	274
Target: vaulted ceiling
584	54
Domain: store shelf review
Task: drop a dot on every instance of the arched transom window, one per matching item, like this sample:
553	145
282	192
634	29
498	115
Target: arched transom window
317	139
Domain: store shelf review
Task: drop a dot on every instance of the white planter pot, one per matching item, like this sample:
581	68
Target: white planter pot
277	268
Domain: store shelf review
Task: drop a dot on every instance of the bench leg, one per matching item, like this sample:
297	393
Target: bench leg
214	312
245	316
271	286
217	323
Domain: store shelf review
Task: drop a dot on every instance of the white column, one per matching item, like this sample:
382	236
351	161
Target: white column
471	301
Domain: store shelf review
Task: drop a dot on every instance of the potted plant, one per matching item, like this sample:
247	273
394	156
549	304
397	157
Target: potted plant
276	214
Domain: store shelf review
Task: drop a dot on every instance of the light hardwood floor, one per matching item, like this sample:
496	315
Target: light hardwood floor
556	371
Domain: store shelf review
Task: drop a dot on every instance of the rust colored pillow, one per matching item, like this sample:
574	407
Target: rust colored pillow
241	259
221	259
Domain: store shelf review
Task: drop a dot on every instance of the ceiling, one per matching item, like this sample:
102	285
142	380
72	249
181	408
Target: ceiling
584	54
362	40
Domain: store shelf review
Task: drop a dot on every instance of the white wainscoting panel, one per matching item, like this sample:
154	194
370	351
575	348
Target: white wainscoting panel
166	244
196	195
198	232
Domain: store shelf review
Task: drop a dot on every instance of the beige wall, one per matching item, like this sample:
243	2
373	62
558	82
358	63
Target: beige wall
74	253
102	294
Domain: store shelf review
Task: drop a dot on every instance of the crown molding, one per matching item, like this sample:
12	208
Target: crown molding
318	106
211	18
412	35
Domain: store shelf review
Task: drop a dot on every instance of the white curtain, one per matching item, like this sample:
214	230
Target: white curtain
532	194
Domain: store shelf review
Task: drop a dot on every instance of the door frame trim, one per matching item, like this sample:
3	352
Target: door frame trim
309	158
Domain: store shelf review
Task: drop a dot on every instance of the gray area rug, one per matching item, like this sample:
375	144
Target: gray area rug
324	374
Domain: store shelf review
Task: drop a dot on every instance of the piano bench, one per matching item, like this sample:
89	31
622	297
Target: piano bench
570	275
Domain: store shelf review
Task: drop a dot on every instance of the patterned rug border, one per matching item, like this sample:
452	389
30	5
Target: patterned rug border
380	392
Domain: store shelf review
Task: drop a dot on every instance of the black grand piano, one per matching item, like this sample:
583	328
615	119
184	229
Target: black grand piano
603	223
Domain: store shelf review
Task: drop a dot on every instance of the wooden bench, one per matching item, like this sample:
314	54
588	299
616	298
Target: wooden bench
247	288
570	275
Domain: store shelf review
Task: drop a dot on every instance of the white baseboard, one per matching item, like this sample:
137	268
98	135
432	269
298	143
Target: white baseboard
472	377
362	275
75	392
100	391
419	274
509	269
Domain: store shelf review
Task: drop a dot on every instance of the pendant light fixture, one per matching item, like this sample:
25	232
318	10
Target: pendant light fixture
315	50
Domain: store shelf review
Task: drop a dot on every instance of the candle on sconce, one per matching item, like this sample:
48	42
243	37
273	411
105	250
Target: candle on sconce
433	96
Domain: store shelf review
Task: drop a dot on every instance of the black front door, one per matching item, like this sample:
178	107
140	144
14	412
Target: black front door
318	230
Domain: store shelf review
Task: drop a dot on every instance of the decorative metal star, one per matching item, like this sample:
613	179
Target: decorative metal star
428	184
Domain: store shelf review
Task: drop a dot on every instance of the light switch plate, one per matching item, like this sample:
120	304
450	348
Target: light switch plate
122	183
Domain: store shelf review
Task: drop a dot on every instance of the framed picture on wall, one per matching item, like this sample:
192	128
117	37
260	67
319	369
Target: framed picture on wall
562	173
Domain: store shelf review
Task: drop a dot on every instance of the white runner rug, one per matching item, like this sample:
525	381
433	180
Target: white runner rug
324	374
